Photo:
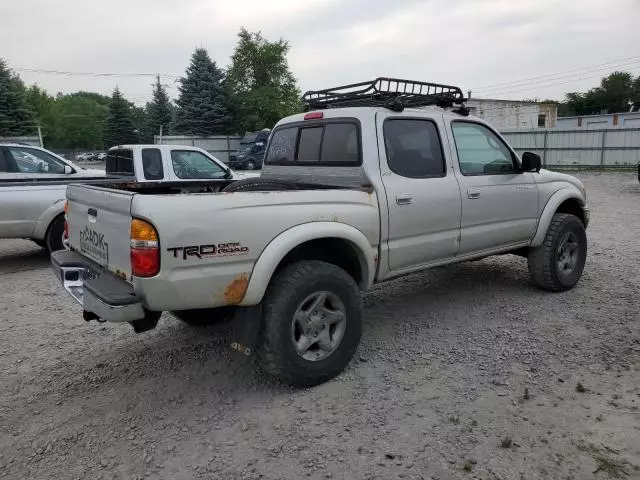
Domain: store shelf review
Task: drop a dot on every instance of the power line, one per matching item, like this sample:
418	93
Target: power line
547	85
93	74
527	80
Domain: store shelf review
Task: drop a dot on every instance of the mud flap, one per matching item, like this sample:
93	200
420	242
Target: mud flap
246	328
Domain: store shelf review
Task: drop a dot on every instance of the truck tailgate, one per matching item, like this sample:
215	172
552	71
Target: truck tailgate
99	221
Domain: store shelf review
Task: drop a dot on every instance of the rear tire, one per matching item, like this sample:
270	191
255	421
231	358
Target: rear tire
204	316
53	237
337	324
557	264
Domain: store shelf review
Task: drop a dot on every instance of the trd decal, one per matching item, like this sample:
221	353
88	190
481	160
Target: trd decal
208	251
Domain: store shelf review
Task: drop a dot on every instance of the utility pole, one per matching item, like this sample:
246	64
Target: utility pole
160	136
40	136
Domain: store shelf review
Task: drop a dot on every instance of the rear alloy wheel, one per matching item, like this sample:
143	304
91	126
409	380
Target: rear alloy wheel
312	323
53	240
558	263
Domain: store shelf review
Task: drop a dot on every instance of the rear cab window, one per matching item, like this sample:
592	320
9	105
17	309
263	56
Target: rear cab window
119	162
334	142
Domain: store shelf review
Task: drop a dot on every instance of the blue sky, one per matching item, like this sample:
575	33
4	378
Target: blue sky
476	44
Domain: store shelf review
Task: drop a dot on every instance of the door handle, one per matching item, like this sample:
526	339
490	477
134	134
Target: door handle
405	199
473	194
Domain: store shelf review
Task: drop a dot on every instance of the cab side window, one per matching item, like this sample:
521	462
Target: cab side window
480	151
31	160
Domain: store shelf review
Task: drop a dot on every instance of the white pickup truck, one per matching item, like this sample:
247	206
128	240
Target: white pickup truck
362	188
33	182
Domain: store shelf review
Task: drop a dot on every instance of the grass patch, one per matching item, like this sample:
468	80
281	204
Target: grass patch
606	463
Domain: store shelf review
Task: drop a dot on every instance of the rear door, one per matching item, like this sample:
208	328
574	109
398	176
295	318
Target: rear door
422	192
499	202
99	222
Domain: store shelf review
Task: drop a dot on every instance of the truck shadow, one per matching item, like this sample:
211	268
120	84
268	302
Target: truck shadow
197	362
24	256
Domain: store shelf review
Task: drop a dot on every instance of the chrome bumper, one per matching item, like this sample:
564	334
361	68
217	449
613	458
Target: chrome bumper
98	292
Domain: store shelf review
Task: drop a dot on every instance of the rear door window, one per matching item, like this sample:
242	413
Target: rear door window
413	148
119	162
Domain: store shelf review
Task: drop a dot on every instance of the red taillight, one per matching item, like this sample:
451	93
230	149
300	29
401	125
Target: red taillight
314	115
145	250
145	262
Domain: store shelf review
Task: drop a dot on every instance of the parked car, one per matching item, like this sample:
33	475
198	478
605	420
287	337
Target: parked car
85	157
33	183
251	154
101	156
348	197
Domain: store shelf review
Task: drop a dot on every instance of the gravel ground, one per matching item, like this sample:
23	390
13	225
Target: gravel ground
463	372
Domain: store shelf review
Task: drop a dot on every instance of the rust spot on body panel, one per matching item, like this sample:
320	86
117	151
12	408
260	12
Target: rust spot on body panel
234	293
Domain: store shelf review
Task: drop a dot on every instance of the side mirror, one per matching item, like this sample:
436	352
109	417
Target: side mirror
68	170
531	162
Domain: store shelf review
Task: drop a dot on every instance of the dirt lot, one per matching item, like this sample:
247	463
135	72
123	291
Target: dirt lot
463	372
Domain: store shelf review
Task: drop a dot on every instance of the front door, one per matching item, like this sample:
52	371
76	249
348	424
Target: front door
499	202
422	192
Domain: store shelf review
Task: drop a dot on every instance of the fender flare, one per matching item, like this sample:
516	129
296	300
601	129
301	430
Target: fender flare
550	209
281	245
42	224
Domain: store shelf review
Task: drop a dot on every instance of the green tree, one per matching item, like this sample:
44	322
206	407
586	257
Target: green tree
612	96
80	121
159	111
43	106
262	88
202	102
119	128
15	116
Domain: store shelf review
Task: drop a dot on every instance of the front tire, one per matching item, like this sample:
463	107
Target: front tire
557	264
312	323
53	238
251	165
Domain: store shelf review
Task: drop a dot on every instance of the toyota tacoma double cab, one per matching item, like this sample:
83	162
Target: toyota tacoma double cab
374	181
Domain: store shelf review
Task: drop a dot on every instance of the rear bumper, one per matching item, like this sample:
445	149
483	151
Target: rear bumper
100	293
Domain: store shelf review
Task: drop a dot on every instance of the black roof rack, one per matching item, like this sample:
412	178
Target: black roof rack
392	93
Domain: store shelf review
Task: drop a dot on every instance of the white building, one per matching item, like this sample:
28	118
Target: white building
504	114
606	120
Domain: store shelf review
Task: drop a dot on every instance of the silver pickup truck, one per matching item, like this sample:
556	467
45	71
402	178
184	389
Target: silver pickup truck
375	181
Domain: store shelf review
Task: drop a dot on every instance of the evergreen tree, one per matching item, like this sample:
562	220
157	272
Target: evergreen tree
202	104
15	116
262	88
119	128
159	110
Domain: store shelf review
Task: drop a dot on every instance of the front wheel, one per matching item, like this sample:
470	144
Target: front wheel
251	165
312	323
558	263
